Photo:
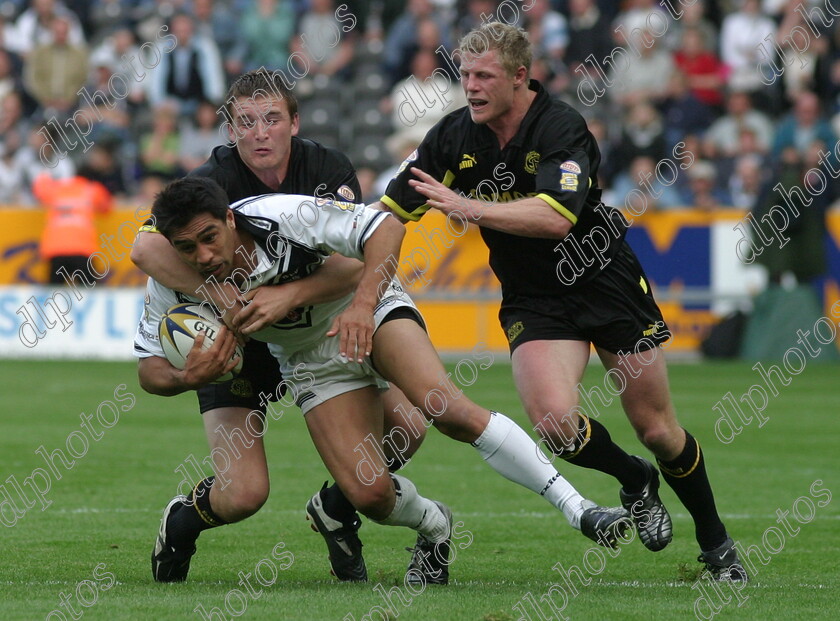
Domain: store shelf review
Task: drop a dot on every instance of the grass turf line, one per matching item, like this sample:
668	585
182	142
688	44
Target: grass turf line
105	510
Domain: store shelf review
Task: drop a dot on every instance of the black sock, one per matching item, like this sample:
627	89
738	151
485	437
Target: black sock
595	449
336	504
687	477
187	521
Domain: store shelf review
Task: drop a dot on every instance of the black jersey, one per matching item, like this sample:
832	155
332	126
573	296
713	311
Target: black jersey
553	156
314	170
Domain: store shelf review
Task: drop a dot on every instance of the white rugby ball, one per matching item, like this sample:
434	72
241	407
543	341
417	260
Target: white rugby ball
181	324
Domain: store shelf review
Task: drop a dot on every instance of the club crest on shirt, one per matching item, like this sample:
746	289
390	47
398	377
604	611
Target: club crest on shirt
532	161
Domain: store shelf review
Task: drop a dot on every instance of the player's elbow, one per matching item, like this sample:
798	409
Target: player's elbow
139	254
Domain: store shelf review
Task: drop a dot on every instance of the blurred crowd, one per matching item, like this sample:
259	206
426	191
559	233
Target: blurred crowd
128	92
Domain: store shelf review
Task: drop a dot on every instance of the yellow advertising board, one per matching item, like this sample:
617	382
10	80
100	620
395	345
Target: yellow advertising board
445	267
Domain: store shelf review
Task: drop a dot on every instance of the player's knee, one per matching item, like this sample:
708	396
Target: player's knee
374	501
658	439
558	426
458	429
245	501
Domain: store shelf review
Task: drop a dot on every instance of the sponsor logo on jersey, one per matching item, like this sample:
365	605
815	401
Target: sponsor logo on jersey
347	193
532	161
342	205
514	331
406	162
241	387
570	166
467	161
569	181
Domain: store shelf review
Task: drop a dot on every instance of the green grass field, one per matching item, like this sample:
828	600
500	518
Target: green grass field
92	543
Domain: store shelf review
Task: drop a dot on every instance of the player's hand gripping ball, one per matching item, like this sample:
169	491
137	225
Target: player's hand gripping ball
181	324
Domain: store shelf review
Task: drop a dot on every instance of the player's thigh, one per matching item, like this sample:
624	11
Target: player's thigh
235	438
645	396
346	431
404	355
405	427
546	374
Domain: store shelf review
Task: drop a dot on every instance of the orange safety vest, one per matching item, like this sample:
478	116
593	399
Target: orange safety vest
71	205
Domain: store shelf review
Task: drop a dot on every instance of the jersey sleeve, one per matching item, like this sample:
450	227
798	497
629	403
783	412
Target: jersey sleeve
565	168
342	227
430	157
339	178
158	300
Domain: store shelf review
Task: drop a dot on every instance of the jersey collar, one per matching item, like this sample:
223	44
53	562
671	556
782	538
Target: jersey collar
539	104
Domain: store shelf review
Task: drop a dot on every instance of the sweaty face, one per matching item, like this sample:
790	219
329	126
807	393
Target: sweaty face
207	244
263	130
488	87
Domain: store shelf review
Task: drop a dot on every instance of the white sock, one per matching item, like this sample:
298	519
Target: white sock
416	512
511	452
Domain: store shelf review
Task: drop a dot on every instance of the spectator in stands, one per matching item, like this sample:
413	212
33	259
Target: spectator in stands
802	126
147	188
648	75
470	16
199	136
634	21
69	237
804	255
322	40
56	71
160	148
799	75
407	102
723	138
12	117
267	28
34	27
100	164
8	37
638	190
682	112
190	72
746	181
12	173
106	16
120	44
214	20
704	192
742	37
693	17
10	81
548	32
401	41
642	133
43	152
589	34
701	66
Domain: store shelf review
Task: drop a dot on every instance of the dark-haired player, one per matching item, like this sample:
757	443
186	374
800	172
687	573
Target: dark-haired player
266	156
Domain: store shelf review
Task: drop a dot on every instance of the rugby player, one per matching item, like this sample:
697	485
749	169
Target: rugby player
523	167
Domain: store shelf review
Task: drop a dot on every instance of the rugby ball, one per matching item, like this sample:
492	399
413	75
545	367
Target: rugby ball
181	324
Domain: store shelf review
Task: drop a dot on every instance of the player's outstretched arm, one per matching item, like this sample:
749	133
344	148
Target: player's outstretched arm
153	254
355	325
337	277
158	377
